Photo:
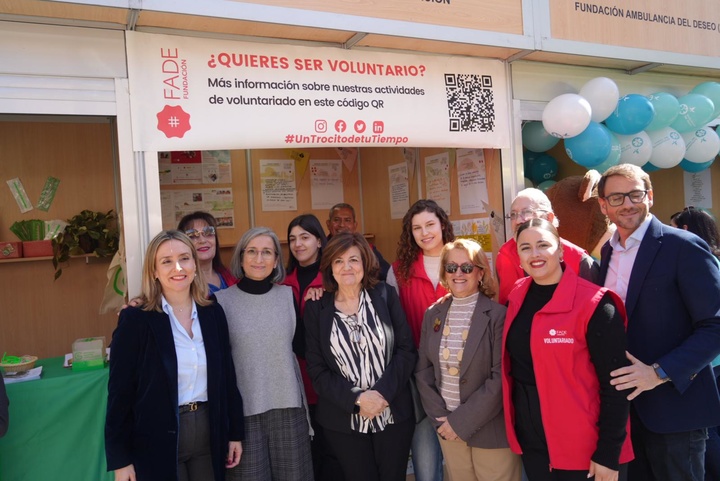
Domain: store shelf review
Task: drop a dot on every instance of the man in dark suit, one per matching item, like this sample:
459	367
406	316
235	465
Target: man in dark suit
671	288
342	219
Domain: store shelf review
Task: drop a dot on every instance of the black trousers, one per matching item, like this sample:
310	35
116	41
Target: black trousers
531	436
194	457
379	456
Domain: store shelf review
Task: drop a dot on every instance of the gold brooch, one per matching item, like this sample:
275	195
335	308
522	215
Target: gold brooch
436	325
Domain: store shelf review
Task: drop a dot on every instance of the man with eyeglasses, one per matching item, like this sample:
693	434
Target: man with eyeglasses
670	284
529	204
342	219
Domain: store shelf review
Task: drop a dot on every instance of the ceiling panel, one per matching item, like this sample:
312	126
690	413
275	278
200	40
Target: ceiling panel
239	27
435	46
64	11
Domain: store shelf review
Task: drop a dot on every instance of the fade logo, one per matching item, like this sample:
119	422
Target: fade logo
558	336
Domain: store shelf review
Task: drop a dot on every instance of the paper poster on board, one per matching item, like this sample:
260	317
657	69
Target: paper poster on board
277	185
698	188
176	204
326	187
472	181
399	190
190	93
437	180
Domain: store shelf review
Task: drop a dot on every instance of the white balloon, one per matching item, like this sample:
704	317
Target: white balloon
635	149
566	116
603	95
701	145
668	147
528	183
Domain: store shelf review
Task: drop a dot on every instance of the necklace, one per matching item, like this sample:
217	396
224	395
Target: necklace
180	309
447	330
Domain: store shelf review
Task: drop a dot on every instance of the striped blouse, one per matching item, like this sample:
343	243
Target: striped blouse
358	345
455	333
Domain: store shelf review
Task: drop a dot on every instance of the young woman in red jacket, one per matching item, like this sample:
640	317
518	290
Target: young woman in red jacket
416	277
563	336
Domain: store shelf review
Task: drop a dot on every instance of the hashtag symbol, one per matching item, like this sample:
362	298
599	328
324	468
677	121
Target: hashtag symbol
289	139
173	121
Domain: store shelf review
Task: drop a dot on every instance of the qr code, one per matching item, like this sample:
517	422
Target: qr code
471	106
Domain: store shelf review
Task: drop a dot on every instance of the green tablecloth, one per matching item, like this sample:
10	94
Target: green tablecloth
56	426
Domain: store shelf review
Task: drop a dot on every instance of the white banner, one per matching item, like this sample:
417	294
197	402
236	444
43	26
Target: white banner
205	94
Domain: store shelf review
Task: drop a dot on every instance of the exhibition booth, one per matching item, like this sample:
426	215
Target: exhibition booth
259	111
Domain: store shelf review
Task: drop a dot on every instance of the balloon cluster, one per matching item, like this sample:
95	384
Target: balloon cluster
601	129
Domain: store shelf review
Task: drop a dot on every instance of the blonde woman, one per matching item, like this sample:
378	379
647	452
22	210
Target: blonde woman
174	411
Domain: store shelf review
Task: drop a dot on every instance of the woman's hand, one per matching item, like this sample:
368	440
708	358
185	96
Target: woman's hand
445	430
371	403
125	474
602	473
314	293
134	302
234	454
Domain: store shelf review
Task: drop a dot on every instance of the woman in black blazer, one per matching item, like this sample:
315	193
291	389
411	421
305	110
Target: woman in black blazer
174	411
360	356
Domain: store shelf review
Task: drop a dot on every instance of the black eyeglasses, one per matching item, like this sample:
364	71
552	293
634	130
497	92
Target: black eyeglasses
207	231
466	268
617	199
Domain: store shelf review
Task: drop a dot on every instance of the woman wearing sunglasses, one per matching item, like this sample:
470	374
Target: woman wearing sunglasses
563	337
458	371
416	277
201	227
360	356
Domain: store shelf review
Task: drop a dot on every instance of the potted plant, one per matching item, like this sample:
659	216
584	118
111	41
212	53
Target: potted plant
88	232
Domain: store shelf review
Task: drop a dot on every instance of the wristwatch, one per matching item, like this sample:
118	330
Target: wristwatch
660	372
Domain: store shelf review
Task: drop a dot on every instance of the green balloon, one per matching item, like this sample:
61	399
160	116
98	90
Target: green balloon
710	90
667	109
695	111
536	139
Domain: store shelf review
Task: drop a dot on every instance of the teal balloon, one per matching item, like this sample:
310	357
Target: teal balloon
693	167
695	111
528	159
667	109
545	185
536	139
710	90
545	167
613	157
591	147
633	113
648	167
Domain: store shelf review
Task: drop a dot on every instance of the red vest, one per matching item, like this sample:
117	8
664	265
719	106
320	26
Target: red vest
417	294
508	267
292	281
567	384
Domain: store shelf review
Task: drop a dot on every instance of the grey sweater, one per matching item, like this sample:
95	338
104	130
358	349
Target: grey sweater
261	330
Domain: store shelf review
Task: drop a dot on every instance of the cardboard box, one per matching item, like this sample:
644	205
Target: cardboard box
41	248
11	250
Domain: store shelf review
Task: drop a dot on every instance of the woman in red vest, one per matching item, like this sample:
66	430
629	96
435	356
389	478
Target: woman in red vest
563	336
416	276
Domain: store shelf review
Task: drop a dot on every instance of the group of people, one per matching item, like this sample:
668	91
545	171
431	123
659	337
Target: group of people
318	369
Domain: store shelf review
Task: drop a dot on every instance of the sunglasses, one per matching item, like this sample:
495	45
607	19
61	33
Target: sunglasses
194	234
466	268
